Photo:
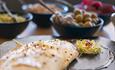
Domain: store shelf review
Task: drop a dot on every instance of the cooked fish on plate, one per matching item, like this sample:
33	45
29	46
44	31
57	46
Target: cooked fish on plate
39	55
47	53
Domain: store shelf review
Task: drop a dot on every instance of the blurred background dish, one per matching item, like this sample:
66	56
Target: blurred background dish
17	6
41	16
27	2
104	10
74	2
6	19
67	26
37	8
9	28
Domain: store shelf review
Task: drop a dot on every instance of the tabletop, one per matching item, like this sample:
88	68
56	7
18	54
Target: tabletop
108	31
106	36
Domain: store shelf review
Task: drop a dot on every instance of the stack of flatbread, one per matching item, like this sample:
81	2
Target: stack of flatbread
40	55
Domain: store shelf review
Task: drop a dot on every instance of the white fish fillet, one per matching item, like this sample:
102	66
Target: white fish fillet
40	55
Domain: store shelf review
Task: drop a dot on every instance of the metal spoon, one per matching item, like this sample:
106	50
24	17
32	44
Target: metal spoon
58	16
41	2
57	13
44	5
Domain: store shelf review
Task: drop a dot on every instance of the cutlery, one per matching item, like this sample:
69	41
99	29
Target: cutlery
5	8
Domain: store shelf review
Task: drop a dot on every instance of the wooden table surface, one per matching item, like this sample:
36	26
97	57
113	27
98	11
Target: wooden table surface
107	34
32	29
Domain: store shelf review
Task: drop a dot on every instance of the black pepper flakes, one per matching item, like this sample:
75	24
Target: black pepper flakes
56	60
44	45
71	54
67	59
34	45
37	44
53	55
51	47
41	54
7	57
57	48
44	63
65	51
24	54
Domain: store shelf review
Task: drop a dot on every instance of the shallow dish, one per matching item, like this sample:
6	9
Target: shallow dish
11	30
96	62
43	20
67	30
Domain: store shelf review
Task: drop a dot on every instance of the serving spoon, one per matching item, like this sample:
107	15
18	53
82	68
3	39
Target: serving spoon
58	16
5	8
44	5
71	7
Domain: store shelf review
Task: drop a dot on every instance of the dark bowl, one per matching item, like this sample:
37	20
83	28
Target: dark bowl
75	31
43	20
104	12
11	30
